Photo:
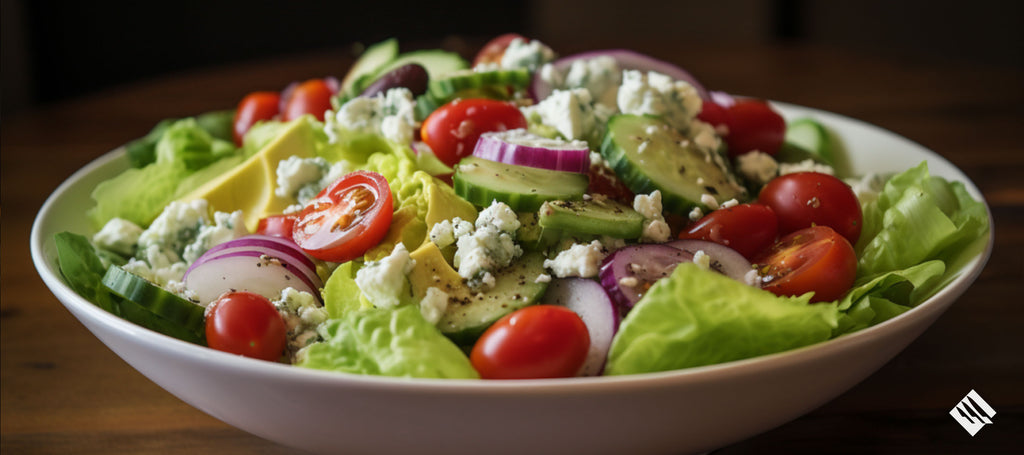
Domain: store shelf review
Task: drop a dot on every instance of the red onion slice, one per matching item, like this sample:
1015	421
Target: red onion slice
251	271
266	242
590	301
627	60
629	272
522	148
724	260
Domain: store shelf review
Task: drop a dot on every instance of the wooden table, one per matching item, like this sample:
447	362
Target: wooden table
64	392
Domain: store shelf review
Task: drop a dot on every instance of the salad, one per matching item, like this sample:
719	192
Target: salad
522	215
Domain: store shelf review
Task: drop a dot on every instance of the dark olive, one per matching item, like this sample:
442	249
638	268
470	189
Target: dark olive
412	76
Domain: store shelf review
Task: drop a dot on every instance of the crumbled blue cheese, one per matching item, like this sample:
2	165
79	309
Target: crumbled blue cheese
807	165
118	235
390	114
434	304
302	314
489	247
543	278
757	166
653	93
709	201
601	76
384	283
526	54
730	204
702	260
304	178
571	113
225	227
580	259
656	230
868	187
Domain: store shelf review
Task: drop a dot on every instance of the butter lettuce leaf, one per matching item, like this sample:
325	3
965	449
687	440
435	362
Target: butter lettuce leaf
395	342
696	317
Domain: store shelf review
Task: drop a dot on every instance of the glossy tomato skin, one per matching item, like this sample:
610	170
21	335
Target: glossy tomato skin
277	226
255	107
805	199
815	259
538	341
246	324
346	219
309	97
452	130
495	49
746	228
748	125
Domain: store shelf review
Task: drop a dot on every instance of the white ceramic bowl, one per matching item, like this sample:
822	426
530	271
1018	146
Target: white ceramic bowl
691	410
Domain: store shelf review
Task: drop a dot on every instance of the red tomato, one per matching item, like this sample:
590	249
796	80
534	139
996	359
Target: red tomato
746	228
750	125
539	341
603	180
813	259
495	48
255	107
310	97
452	130
277	226
810	198
246	324
347	218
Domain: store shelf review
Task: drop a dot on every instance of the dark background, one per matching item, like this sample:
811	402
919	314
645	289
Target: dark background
54	50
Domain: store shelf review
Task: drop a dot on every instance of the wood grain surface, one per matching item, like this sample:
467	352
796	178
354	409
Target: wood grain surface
64	392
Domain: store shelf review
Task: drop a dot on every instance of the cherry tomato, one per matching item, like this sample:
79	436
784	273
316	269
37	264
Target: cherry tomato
277	226
603	180
539	341
746	228
813	259
255	107
246	324
452	130
310	97
495	49
749	125
810	198
347	218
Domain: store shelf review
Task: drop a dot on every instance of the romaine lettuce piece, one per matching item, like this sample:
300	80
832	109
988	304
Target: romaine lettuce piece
696	317
395	342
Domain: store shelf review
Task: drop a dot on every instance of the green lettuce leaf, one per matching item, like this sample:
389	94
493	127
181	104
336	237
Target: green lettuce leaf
341	294
395	342
876	299
696	317
186	142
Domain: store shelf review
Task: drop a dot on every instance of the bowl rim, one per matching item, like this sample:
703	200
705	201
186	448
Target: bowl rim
934	305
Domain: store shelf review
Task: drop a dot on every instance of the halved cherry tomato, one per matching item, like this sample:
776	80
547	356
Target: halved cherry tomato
246	324
816	259
277	226
749	125
347	218
806	199
452	130
602	180
746	228
310	97
538	341
255	107
495	49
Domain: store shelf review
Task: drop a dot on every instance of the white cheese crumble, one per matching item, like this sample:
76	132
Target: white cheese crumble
601	76
757	166
543	278
807	165
526	54
384	282
695	214
653	93
118	235
485	247
709	201
581	259
434	304
302	314
702	260
304	178
655	229
571	113
730	203
390	114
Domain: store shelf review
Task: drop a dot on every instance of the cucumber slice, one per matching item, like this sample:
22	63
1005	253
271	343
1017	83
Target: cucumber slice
649	155
806	139
373	58
523	188
155	299
446	87
595	216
